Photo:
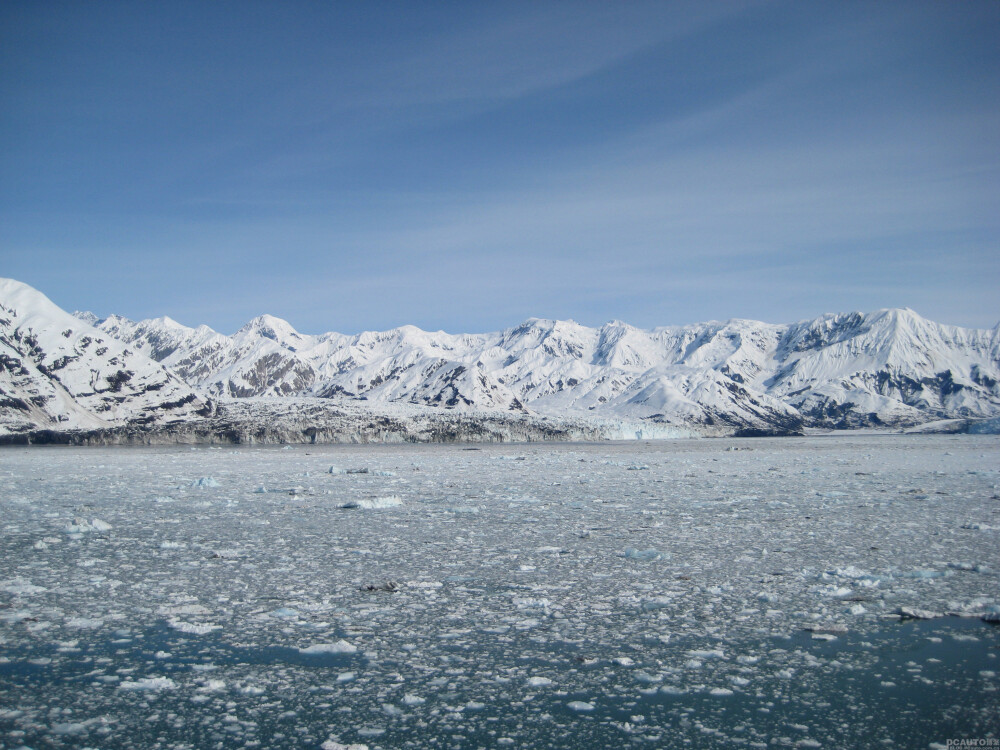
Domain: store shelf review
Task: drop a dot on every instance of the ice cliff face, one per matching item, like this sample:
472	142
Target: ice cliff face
887	368
57	372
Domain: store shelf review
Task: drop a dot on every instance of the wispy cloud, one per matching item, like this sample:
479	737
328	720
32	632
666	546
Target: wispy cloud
464	169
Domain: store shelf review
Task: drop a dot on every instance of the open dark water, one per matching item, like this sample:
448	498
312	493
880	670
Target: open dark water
904	685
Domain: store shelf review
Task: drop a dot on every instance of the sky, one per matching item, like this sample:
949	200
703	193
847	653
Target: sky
463	166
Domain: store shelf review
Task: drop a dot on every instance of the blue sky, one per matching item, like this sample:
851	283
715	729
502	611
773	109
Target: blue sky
463	166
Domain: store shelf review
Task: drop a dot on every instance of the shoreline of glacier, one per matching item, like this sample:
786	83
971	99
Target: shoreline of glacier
297	421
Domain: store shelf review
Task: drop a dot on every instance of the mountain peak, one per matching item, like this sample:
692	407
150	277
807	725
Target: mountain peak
272	328
165	321
87	317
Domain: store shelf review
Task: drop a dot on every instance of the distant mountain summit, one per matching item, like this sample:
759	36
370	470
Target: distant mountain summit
58	372
889	368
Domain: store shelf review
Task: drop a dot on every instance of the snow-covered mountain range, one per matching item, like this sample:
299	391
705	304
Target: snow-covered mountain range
57	372
889	368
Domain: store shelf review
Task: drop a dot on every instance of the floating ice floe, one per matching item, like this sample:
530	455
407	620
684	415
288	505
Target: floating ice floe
225	554
390	587
340	647
21	587
149	683
970	567
925	573
205	482
712	653
657	602
334	745
183	609
641	554
73	728
192	628
582	706
371	503
851	572
424	584
525	603
832	628
913	613
833	591
84	622
82	526
212	686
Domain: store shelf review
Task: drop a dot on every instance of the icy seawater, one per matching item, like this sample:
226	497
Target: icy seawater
818	592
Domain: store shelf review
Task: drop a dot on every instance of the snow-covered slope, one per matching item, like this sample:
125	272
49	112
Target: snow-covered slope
58	372
887	368
890	366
